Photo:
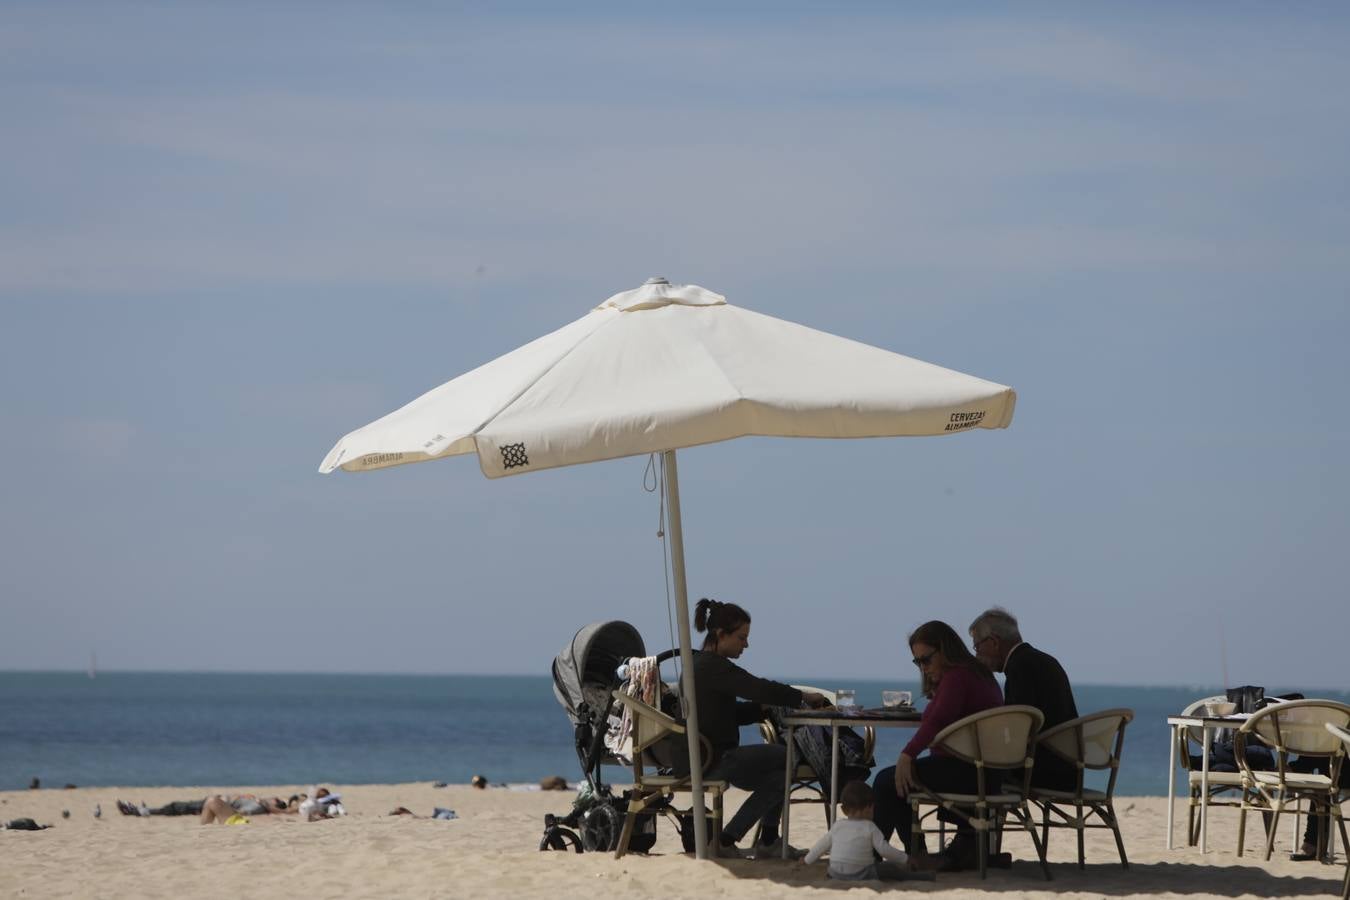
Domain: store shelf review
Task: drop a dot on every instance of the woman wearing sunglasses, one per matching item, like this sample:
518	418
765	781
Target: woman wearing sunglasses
960	686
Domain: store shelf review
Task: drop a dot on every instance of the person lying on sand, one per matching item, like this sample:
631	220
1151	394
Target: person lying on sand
321	804
244	804
219	811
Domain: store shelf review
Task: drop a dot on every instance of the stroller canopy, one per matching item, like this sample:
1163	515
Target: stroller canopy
590	659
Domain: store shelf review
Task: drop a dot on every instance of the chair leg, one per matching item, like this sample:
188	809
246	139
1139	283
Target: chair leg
982	845
626	835
1079	826
1192	833
1340	822
1042	847
1115	830
1273	827
1242	826
1045	826
717	819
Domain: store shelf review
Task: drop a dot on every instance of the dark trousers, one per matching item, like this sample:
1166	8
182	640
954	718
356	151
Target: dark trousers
1315	833
180	808
757	768
941	774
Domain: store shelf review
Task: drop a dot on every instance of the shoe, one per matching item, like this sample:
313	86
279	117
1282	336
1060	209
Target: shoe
130	809
957	862
730	851
775	851
961	855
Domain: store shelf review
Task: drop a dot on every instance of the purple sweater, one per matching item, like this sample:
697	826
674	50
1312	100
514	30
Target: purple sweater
960	693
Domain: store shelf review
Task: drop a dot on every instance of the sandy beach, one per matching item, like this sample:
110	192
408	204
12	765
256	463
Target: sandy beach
491	851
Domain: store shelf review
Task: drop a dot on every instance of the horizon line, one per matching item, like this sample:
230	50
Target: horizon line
372	674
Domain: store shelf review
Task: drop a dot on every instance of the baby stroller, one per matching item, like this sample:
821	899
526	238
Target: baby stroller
585	675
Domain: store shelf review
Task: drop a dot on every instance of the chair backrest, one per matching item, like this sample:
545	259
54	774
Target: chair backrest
1340	733
769	733
1093	741
650	725
997	738
1194	734
1299	727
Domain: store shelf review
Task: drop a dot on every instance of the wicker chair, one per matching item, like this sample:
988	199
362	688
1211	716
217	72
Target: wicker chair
1089	742
1344	737
1296	728
1220	783
651	731
1000	738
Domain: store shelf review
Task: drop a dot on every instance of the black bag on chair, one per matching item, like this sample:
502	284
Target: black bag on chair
813	748
1247	698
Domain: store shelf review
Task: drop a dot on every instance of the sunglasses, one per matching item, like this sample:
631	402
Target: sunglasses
978	641
924	660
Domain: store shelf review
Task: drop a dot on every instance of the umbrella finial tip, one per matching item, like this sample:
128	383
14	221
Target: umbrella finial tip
656	279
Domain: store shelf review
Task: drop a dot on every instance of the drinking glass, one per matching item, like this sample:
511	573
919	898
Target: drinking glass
893	699
845	697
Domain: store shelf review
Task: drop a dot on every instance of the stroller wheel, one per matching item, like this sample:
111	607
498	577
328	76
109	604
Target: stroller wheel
601	829
558	838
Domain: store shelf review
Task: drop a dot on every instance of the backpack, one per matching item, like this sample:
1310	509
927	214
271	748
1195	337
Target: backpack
813	748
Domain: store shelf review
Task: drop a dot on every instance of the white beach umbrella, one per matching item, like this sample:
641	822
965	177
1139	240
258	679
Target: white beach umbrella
661	367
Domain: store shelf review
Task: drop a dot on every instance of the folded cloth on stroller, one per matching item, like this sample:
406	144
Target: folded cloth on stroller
644	683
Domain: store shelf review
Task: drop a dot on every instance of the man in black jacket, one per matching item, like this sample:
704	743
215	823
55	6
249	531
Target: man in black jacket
1033	678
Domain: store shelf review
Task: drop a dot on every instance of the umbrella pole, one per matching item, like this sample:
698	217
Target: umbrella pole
686	656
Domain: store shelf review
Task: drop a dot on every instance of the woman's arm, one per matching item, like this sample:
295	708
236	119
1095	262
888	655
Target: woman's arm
941	711
736	680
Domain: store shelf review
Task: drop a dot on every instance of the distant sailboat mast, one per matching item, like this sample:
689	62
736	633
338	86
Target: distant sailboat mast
93	665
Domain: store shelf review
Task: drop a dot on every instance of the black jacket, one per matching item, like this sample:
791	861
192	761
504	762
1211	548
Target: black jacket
718	683
1034	678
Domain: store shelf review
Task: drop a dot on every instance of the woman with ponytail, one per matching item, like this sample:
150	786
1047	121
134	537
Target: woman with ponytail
729	697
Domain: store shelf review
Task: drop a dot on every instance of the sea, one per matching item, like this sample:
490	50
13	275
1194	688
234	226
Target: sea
180	729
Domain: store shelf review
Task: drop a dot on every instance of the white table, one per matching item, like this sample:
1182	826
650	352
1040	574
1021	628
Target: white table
1207	724
834	720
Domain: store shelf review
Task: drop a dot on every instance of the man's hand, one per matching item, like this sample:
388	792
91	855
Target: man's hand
814	700
904	775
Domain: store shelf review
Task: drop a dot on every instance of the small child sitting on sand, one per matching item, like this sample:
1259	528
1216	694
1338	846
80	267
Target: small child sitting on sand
852	840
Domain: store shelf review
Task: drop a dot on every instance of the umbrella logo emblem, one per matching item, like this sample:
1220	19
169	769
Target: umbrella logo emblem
514	455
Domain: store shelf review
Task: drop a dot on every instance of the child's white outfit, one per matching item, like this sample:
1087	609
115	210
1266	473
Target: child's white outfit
850	843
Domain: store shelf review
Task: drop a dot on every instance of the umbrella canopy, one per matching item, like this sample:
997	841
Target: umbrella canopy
662	367
667	366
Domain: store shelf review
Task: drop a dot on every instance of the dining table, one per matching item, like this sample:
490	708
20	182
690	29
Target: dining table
834	718
1208	725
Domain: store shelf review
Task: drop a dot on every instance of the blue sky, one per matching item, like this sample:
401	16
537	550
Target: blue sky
231	233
